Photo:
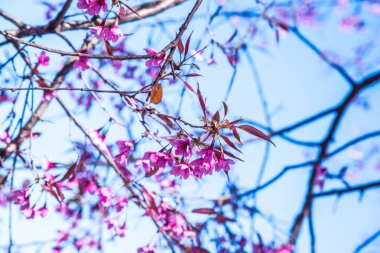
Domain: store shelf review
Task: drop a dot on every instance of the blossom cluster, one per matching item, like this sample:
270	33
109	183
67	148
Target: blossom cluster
21	197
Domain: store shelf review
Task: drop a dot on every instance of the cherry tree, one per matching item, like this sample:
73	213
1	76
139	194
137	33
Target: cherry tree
189	126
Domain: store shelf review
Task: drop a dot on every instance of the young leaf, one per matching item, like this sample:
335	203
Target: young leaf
256	132
180	46
204	211
225	108
166	119
108	47
230	143
132	10
68	173
187	44
192	74
201	101
156	95
152	171
188	86
216	117
232	155
236	134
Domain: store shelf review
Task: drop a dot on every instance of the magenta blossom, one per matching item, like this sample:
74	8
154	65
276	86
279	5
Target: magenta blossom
154	159
43	59
43	211
223	163
320	177
28	211
206	164
182	147
154	62
181	170
93	6
83	4
125	148
146	249
19	197
82	62
105	195
112	34
4	137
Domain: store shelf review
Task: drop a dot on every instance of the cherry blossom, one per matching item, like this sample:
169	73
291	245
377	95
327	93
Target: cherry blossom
43	59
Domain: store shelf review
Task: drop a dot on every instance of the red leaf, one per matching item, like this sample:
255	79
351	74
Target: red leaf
232	155
166	119
236	134
108	47
230	143
60	194
201	101
188	86
192	74
132	10
256	132
156	94
216	117
68	173
187	44
152	171
222	219
225	108
204	211
150	199
180	46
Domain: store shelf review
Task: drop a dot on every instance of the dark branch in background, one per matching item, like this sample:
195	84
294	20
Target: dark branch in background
367	242
339	192
355	90
144	10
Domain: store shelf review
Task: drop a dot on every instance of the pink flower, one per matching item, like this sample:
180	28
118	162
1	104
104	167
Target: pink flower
63	236
182	170
43	211
153	159
121	203
49	95
4	137
83	4
43	59
223	163
350	24
47	165
183	147
98	31
160	159
105	195
287	248
320	177
82	62
19	197
112	34
121	231
204	165
90	187
98	139
154	62
27	211
125	148
146	249
93	6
